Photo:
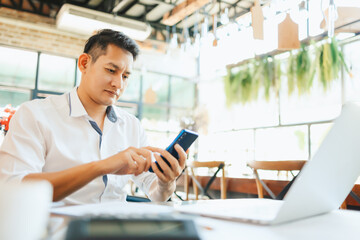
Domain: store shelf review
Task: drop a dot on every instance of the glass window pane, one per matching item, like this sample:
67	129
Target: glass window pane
154	118
56	73
221	117
282	143
318	105
179	118
155	88
131	108
315	17
302	21
259	113
158	139
318	133
132	92
235	148
352	85
17	67
182	92
15	98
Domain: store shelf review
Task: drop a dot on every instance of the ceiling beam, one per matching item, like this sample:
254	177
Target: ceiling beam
120	5
148	8
14	3
180	11
236	5
41	7
33	6
128	6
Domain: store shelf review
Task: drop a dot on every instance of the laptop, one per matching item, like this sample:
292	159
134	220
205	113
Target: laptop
321	186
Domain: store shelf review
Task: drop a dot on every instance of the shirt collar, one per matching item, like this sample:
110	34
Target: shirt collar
76	109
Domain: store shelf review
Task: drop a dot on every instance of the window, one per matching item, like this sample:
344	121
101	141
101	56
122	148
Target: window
132	92
316	106
17	67
155	88
235	148
182	92
131	108
315	18
155	118
162	109
317	134
13	97
239	116
158	139
178	116
282	143
56	73
352	85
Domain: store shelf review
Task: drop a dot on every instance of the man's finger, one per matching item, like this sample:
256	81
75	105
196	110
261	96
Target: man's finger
140	162
162	164
147	156
182	155
170	158
131	166
157	171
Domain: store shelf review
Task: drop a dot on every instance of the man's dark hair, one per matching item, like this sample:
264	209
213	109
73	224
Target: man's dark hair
97	44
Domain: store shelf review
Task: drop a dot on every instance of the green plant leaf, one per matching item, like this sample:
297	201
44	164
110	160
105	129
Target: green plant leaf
291	73
242	84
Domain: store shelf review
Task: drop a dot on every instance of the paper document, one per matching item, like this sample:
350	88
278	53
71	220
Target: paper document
113	209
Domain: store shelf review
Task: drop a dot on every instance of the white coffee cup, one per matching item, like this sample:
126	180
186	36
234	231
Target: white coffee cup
24	210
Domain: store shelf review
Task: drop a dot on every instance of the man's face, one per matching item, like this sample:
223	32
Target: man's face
106	79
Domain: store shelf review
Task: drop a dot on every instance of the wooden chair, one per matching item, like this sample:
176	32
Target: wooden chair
220	165
290	165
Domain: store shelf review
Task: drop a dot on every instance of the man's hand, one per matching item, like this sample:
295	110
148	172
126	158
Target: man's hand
130	161
170	173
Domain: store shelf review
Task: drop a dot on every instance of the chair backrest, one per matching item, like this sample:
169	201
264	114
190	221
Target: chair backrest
289	165
284	165
210	164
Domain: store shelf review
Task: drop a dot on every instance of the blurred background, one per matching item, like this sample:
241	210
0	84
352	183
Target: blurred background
226	69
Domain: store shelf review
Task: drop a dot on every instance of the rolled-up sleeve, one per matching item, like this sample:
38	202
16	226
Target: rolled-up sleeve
144	181
23	149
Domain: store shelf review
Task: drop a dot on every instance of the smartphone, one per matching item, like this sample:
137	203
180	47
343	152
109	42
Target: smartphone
185	138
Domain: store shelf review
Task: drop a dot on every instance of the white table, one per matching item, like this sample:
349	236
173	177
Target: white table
339	224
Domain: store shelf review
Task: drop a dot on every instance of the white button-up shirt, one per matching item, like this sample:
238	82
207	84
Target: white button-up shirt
56	133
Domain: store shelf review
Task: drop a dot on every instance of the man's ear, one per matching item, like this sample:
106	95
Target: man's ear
84	62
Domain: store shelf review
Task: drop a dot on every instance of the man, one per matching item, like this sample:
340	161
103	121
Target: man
83	145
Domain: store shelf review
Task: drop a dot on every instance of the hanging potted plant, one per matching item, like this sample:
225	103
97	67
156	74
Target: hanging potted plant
242	83
268	75
238	85
291	73
305	70
329	62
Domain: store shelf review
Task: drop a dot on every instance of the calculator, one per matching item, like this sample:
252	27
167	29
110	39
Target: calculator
131	228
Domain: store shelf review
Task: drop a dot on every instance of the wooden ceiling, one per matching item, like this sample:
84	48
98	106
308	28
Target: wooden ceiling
179	13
